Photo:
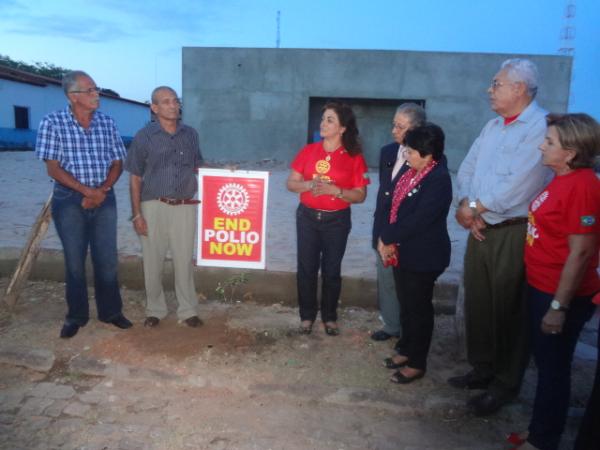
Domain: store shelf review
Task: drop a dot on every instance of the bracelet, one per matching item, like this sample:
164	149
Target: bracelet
134	218
340	194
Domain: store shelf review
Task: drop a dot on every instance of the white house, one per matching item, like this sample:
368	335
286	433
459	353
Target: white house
26	98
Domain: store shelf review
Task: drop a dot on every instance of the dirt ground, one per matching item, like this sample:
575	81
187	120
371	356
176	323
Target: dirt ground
245	380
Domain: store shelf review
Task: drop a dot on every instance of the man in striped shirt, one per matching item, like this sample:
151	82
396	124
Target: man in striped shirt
83	153
162	161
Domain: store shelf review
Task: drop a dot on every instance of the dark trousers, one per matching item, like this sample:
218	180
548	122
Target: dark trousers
415	294
80	229
321	239
588	437
553	354
495	308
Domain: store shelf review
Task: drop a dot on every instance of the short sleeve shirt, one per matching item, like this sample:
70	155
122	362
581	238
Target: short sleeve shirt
86	154
569	205
166	162
337	167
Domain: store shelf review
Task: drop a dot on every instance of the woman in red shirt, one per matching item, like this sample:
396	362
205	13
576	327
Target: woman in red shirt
329	175
561	261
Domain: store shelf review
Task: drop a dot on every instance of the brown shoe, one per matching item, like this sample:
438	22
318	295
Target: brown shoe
151	321
193	322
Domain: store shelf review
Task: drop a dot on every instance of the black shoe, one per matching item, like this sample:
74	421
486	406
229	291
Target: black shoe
486	403
470	381
151	321
381	335
69	330
121	322
193	322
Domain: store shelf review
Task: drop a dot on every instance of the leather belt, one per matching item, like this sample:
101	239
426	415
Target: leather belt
506	223
178	201
322	214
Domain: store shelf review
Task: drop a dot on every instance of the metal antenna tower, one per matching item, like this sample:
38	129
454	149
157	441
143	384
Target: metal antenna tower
277	42
567	43
567	33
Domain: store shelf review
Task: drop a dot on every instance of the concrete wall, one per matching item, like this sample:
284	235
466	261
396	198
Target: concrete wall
41	100
249	104
264	286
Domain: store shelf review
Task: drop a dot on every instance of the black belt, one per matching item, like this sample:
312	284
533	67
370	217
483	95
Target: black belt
506	223
178	201
322	214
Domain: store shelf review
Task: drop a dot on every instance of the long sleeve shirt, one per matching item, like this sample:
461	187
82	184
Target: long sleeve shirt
503	167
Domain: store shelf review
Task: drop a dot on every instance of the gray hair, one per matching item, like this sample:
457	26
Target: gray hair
69	79
161	88
523	71
415	113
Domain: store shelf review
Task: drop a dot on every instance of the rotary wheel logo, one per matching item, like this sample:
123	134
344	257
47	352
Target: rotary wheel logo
233	199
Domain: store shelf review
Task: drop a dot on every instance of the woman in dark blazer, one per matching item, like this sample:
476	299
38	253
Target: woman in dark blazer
416	240
391	160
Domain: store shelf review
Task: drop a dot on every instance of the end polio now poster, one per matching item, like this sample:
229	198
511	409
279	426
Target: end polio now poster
232	218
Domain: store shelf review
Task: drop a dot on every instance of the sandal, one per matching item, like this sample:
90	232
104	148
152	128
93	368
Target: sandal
332	331
400	378
389	363
306	327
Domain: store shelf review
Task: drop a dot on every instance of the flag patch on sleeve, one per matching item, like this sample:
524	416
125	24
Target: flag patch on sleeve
588	221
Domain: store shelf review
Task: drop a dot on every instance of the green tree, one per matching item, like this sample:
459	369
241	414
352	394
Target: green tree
45	69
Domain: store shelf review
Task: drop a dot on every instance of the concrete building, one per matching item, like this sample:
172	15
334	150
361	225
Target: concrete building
26	98
250	104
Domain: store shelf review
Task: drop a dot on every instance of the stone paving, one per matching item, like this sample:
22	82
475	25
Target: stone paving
246	380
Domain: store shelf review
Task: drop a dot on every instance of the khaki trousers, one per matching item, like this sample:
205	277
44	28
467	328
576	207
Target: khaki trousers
170	227
495	307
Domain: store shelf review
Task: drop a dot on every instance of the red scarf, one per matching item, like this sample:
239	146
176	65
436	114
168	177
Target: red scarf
406	184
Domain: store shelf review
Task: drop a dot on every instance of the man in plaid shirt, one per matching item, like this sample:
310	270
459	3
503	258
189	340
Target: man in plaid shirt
83	153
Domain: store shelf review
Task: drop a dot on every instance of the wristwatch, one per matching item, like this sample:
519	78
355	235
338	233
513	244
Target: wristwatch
556	306
473	206
340	194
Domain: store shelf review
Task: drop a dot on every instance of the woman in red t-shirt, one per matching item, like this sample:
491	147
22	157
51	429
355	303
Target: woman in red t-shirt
329	175
561	261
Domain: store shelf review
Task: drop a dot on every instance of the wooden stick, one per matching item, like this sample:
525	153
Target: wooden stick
29	255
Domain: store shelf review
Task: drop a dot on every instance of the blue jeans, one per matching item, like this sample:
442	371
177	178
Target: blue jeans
78	229
553	354
322	238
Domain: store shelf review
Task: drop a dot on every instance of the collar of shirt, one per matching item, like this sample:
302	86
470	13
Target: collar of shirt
511	119
400	160
156	128
523	116
76	122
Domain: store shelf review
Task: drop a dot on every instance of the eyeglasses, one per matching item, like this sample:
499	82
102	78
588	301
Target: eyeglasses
171	101
495	84
94	90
